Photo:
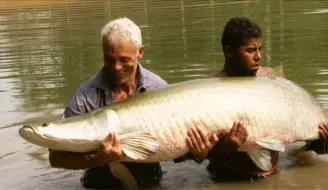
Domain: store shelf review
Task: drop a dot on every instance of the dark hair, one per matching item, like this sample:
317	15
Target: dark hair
239	29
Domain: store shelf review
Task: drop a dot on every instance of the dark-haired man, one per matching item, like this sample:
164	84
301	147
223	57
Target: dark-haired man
241	43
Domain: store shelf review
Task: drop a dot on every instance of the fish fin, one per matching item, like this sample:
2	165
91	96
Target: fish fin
138	145
272	143
261	155
261	158
277	71
122	173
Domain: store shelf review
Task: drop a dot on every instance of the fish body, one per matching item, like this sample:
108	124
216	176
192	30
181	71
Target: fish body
152	127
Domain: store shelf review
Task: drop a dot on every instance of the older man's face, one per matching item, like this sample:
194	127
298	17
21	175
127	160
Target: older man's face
120	61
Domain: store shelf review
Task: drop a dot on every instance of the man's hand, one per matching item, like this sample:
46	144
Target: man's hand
199	143
319	146
230	141
110	149
323	131
237	135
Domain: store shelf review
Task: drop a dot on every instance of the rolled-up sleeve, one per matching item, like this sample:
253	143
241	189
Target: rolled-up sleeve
76	105
161	83
158	84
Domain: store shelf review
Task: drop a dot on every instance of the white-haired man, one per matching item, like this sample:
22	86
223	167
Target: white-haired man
121	77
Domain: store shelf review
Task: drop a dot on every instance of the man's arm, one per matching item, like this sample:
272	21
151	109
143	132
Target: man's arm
240	162
74	161
224	153
108	152
319	146
202	146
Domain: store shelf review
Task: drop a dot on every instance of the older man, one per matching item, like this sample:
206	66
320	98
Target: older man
121	77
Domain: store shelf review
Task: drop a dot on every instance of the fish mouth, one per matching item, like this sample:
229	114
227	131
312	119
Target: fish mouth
27	130
32	134
31	129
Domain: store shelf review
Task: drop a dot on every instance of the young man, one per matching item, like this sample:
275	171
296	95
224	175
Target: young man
120	78
241	43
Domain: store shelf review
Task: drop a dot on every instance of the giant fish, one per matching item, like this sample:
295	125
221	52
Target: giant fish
152	126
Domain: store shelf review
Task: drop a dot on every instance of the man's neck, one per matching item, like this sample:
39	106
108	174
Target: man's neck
229	71
124	90
127	86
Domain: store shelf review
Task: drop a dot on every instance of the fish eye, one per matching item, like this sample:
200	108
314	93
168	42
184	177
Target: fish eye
44	124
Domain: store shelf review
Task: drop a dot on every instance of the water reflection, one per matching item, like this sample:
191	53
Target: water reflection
47	48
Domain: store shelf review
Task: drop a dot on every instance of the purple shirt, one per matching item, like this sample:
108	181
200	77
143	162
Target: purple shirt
96	92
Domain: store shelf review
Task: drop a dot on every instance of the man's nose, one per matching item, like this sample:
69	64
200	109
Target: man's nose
117	66
258	55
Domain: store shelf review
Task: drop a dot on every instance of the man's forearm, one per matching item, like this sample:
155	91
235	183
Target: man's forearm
188	156
75	161
240	161
221	151
319	146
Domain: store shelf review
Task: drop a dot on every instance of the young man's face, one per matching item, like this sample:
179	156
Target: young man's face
247	57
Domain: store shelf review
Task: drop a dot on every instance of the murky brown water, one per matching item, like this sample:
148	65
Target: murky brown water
48	47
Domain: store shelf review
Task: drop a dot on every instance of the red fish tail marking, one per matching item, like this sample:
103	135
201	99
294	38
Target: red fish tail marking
248	122
247	119
194	123
173	133
253	127
226	124
268	125
205	125
160	141
216	125
261	122
264	125
186	126
167	137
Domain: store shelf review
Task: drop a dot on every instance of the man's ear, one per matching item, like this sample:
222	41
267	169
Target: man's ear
140	52
228	51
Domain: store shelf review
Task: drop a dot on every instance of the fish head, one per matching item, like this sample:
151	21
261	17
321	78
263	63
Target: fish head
79	133
53	130
34	133
48	135
33	129
71	134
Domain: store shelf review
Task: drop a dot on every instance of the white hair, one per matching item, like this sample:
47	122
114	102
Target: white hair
122	29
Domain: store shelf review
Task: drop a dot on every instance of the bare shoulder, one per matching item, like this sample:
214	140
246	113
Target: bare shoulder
264	71
219	73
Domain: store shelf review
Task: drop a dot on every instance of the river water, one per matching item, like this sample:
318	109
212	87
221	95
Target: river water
48	47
